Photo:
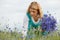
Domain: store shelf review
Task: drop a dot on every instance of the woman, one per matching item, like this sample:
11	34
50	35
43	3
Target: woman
33	18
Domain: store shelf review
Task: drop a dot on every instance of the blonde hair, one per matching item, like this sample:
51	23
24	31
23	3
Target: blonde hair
39	8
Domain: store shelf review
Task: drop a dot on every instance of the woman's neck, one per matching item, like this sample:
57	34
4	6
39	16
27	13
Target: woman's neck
35	18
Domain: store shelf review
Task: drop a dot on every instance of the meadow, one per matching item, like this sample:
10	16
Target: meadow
18	36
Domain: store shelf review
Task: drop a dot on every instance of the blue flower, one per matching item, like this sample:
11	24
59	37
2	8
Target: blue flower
48	23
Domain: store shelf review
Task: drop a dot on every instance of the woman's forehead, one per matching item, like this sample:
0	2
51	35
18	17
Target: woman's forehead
34	6
32	10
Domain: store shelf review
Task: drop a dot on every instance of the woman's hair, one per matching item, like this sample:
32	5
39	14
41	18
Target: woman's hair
39	8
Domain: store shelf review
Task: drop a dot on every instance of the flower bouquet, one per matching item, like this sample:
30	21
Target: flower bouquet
48	24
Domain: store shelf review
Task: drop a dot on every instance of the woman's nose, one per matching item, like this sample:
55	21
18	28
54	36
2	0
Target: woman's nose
32	13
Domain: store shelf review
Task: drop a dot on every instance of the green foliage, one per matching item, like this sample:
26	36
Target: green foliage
33	35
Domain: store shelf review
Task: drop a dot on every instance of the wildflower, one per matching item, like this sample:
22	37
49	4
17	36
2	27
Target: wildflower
48	23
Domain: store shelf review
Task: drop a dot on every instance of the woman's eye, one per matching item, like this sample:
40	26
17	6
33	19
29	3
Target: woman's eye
33	11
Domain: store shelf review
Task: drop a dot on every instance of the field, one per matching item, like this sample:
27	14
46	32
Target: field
18	36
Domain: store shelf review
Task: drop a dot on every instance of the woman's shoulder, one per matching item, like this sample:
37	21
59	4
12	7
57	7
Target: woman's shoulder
26	17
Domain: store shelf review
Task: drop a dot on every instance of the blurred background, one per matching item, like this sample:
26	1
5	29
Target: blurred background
12	12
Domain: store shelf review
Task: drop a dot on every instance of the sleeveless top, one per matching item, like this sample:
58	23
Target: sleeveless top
31	24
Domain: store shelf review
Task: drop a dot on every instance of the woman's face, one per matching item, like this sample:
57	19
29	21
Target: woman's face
33	10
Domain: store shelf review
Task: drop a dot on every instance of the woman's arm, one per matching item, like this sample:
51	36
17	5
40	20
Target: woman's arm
25	26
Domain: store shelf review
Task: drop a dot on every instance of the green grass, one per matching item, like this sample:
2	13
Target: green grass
9	36
17	36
